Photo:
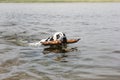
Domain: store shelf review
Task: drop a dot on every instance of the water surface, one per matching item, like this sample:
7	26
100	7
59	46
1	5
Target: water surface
97	55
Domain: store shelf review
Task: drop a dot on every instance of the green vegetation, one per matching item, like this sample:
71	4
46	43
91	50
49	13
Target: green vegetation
17	1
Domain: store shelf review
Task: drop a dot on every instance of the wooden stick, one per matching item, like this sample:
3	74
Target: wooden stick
72	41
59	42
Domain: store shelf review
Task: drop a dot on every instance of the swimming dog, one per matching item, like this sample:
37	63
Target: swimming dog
59	39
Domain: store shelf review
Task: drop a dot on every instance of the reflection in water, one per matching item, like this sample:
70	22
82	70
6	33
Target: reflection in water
58	50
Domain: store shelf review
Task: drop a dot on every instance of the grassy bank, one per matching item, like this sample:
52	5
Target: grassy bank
17	1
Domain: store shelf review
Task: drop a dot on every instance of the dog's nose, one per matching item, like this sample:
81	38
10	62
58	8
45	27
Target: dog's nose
64	40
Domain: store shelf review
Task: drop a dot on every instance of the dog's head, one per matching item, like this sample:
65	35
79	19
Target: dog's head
60	36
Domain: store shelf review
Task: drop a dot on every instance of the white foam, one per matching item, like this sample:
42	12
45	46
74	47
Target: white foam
35	44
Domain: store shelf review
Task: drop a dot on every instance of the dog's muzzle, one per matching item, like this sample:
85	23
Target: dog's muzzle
64	40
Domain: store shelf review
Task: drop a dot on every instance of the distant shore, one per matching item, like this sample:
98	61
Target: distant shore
47	1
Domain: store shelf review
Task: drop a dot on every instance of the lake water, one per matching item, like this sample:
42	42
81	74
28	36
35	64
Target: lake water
95	57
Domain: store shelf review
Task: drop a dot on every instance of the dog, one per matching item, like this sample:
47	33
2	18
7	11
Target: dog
58	36
58	40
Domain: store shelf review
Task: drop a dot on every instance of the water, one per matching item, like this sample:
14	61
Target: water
96	56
